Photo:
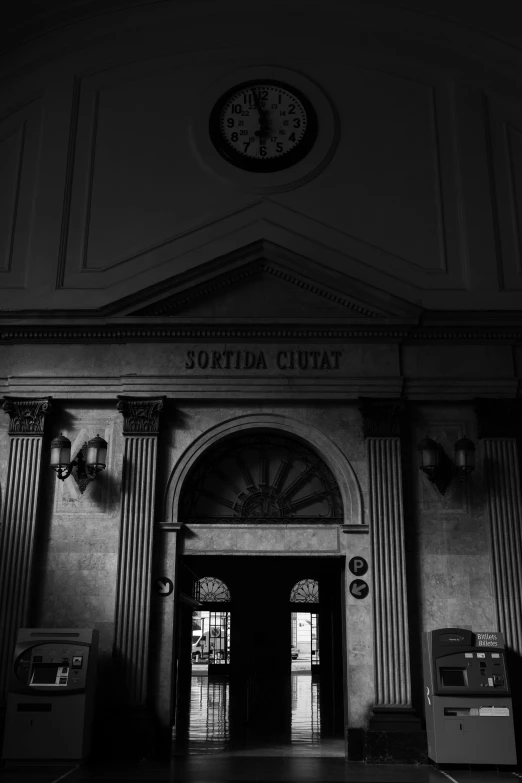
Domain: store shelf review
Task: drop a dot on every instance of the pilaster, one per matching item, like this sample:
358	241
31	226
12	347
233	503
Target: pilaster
20	503
131	653
499	425
392	712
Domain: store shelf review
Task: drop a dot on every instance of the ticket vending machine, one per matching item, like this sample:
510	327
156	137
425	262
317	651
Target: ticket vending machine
469	715
50	702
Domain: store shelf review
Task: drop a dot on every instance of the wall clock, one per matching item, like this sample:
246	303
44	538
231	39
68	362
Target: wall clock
263	125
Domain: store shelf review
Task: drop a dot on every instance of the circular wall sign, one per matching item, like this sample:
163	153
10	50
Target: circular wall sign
358	566
163	586
274	149
359	588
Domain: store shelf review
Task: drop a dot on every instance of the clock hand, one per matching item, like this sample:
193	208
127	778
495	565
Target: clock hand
263	121
258	105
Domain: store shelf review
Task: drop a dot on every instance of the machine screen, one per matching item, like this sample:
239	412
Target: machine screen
44	674
452	677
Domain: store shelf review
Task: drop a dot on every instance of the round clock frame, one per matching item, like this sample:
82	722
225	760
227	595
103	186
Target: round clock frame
269	126
310	159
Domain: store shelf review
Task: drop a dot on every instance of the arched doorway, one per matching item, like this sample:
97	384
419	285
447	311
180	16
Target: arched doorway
277	493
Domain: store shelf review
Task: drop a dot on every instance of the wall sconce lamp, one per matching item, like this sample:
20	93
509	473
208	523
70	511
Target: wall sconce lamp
464	458
439	468
90	461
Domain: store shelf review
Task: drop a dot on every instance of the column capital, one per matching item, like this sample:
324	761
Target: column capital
26	416
382	418
140	414
498	418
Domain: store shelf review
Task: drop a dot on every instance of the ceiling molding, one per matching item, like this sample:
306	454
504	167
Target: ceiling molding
330	292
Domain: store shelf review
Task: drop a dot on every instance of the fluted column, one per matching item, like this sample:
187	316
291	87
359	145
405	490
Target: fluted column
20	504
140	430
392	708
499	423
392	660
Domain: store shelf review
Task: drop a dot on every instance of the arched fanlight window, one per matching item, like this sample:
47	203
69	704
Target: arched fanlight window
260	479
208	589
305	592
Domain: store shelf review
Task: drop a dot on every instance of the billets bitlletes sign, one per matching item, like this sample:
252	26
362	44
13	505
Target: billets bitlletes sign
489	639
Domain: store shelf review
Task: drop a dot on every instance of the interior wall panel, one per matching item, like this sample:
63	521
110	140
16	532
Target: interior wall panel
506	148
141	198
404	203
19	137
138	197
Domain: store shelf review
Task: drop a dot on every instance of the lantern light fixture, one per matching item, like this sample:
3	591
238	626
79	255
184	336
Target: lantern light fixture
429	457
464	458
439	468
90	461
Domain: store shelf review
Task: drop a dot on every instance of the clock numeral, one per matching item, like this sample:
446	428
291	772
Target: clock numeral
234	136
282	113
245	114
291	110
273	105
263	94
279	147
230	122
291	137
273	138
236	108
285	122
246	145
240	123
251	138
263	151
297	123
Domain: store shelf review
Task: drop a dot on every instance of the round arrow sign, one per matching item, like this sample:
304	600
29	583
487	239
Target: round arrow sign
359	588
358	566
163	586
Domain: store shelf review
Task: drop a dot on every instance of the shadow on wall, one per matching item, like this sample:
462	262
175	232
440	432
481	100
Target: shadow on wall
413	580
514	668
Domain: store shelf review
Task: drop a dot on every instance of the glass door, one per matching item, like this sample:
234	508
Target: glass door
314	643
219	643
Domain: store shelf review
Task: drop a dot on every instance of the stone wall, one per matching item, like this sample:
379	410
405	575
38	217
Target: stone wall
447	544
76	550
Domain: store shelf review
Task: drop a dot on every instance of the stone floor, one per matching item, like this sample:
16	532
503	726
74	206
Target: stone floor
230	767
211	756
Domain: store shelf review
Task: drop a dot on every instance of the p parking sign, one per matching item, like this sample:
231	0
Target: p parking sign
358	566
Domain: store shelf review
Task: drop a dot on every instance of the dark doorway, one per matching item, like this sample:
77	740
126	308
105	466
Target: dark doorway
260	688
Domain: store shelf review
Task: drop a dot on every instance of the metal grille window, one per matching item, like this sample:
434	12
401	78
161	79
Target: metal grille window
305	592
208	589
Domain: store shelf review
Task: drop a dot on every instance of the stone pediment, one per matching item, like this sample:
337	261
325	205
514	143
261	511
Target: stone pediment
267	283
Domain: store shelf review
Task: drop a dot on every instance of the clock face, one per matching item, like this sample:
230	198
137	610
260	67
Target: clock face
263	126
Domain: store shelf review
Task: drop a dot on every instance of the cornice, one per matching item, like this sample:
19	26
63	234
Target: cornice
167	332
177	301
